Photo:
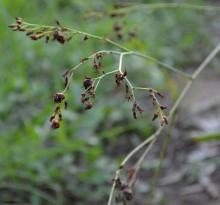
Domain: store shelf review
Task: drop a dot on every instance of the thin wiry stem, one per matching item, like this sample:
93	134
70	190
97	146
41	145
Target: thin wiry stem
126	159
161	158
137	166
102	76
127	51
155	6
172	111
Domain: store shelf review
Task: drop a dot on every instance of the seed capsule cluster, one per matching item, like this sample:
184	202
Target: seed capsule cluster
57	33
88	93
124	187
62	35
159	113
59	100
97	62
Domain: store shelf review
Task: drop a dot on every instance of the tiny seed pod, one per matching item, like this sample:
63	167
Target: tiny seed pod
162	107
55	124
155	116
19	20
87	83
85	38
165	120
89	105
65	105
59	97
29	33
128	193
12	26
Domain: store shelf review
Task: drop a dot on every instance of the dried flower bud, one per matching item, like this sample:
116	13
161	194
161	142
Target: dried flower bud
55	124
132	34
85	38
19	20
162	107
37	36
87	83
83	59
127	192
160	94
13	26
65	105
59	36
119	35
140	109
155	116
59	97
165	120
114	14
117	27
89	105
84	99
58	23
51	118
47	38
29	33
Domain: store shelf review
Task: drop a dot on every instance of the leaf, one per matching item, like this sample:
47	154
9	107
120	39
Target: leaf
207	137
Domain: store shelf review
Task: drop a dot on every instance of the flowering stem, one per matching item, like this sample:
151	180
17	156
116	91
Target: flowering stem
160	129
127	51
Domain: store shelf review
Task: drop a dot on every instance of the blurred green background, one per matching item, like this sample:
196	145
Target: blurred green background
75	164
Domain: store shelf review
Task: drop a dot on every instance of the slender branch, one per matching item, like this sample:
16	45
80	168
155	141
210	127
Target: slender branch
160	129
161	158
126	159
101	38
154	6
183	74
102	76
178	101
140	161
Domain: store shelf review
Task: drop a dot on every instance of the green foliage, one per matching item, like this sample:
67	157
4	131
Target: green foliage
207	137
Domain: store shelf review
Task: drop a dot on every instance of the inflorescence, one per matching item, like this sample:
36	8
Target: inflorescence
61	34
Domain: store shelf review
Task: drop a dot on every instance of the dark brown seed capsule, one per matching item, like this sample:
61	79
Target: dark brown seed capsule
119	35
51	118
140	109
19	20
155	116
160	94
21	29
29	33
83	59
55	124
89	105
59	36
13	26
165	120
128	193
87	83
117	27
47	39
132	34
85	38
58	23
59	97
162	107
65	105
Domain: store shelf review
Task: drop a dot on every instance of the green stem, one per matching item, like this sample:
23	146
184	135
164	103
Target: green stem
161	158
167	6
172	113
127	51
